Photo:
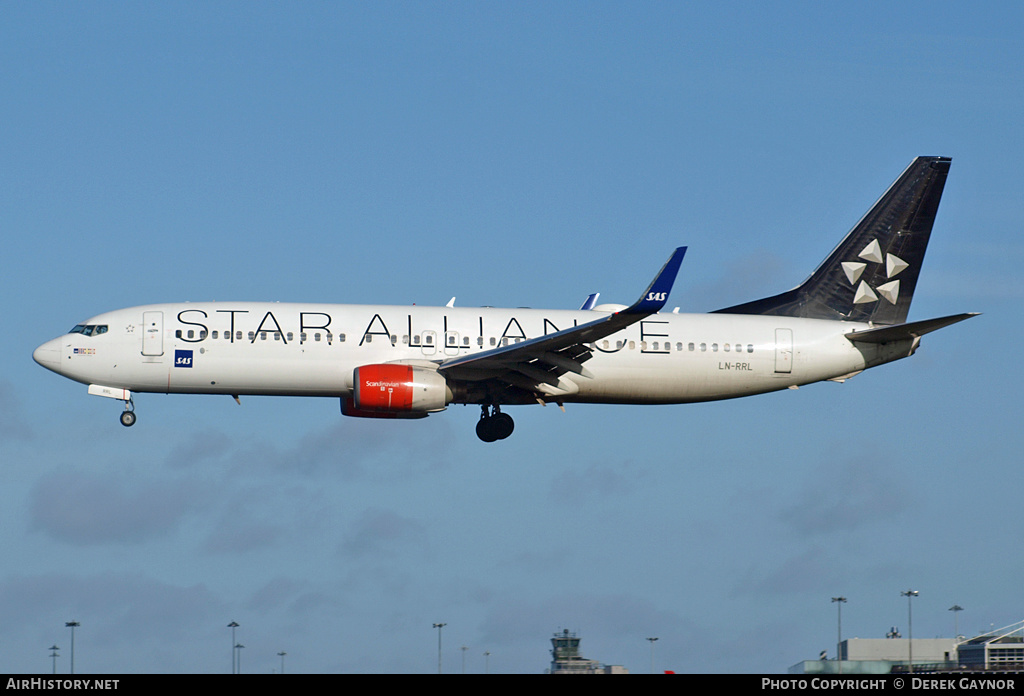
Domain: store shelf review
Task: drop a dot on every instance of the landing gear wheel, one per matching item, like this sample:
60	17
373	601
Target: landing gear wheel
485	430
494	425
128	418
503	425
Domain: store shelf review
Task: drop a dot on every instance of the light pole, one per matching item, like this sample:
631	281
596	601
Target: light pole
233	625
840	601
54	655
238	649
72	625
281	655
439	626
464	649
652	653
487	661
910	594
956	624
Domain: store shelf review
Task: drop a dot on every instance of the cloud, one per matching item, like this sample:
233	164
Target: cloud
12	423
812	570
744	278
847	496
203	446
381	531
351	449
594	481
114	607
92	508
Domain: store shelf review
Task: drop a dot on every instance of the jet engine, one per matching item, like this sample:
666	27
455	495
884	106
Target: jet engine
396	391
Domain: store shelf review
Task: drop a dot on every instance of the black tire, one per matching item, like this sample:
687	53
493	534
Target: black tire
502	425
485	430
127	418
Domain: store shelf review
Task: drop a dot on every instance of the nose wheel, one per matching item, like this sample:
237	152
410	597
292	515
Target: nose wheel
128	415
494	425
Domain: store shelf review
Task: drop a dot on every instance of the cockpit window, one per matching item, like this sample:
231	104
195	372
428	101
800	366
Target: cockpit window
89	329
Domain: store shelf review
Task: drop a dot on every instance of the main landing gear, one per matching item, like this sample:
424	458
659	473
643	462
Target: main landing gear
494	425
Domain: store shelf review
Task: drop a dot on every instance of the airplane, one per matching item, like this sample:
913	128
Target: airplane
408	362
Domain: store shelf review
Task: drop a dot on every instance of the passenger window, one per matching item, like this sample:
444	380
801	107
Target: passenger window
405	339
213	335
290	336
177	334
302	337
750	347
316	336
238	336
726	347
465	340
263	335
277	335
691	347
703	347
328	336
394	340
714	347
341	337
632	345
494	341
252	336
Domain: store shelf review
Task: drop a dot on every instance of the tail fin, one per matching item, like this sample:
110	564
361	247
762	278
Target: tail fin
871	275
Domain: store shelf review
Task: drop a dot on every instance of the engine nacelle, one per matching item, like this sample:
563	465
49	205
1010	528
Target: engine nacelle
396	391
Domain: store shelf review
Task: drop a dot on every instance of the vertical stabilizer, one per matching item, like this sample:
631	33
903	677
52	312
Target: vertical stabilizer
871	275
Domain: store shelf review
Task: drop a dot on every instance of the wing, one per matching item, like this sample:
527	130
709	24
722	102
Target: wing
537	364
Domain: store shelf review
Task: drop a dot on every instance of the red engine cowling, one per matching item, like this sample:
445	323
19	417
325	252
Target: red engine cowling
402	391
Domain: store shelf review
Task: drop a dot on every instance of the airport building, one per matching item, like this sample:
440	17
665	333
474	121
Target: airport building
998	650
566	658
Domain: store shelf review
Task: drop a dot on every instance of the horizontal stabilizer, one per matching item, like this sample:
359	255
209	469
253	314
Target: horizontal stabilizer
915	329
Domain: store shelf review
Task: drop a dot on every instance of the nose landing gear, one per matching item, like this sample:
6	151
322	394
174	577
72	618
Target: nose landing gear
128	415
494	425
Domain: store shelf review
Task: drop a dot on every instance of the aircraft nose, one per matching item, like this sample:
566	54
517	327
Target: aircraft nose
48	355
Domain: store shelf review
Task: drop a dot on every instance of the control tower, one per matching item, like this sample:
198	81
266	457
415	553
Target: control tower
566	658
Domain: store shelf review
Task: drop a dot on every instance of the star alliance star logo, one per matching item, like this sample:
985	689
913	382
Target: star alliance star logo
865	293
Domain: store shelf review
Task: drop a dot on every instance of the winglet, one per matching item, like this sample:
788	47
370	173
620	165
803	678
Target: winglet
656	294
591	301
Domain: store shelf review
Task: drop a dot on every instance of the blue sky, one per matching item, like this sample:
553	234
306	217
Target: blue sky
509	154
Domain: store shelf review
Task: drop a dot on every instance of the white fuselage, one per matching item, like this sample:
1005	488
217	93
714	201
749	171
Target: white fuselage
243	348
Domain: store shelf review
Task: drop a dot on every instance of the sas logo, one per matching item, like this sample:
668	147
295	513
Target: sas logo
656	296
183	358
